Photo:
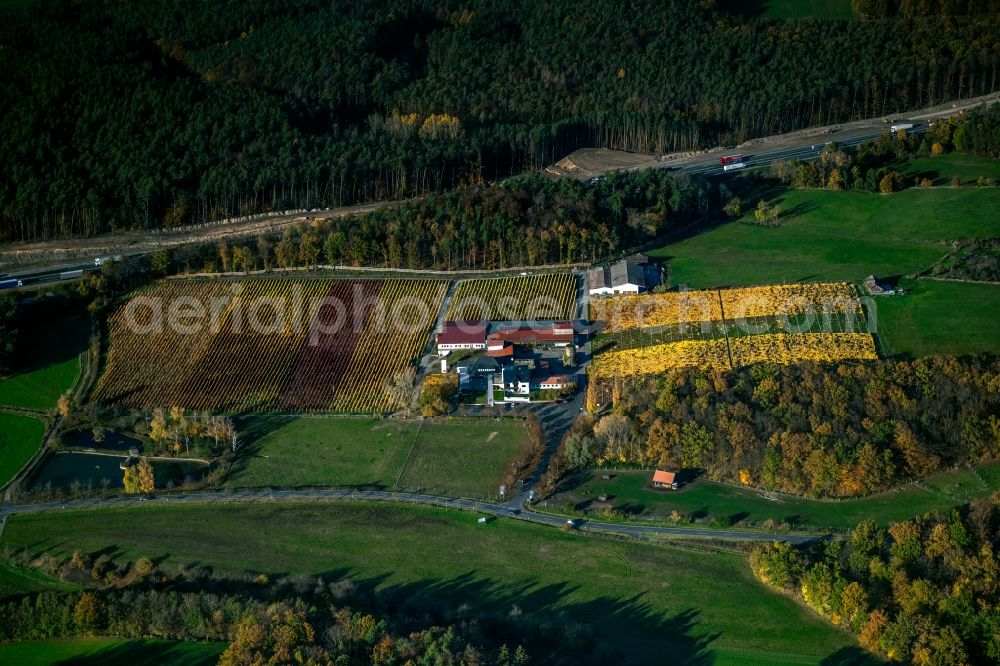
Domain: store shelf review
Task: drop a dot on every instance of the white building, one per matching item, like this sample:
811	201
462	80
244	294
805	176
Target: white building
624	277
461	335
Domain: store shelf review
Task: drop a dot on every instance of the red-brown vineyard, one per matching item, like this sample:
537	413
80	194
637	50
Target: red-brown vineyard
267	344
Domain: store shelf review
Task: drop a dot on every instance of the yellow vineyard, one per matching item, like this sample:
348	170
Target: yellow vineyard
789	299
658	358
794	347
623	313
749	325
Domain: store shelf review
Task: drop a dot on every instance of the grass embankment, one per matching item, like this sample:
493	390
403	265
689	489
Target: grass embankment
940	317
942	168
630	494
111	652
835	236
20	437
462	459
19	580
40	389
646	600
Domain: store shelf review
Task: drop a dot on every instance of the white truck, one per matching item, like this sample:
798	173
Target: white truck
901	126
734	167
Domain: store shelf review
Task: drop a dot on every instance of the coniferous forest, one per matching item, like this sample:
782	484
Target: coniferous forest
141	115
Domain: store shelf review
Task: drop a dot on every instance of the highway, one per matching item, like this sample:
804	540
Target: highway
810	149
511	510
48	276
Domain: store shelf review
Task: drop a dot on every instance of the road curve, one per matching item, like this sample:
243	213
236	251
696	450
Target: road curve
340	494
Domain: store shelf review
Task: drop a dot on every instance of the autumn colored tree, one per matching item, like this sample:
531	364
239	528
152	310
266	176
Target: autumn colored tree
437	392
146	480
89	614
131	481
734	207
281	636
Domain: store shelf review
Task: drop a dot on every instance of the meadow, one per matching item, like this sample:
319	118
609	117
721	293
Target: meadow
940	169
20	438
40	389
828	235
630	495
16	580
645	600
111	652
460	459
798	9
940	317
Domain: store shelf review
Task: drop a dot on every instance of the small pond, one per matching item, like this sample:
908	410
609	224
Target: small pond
112	441
90	469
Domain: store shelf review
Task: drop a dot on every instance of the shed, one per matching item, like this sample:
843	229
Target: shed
663	479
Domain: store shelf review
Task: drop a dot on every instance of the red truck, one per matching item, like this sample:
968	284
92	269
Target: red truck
731	159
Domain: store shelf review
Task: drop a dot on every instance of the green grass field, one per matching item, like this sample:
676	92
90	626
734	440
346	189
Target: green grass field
937	317
630	493
821	9
19	580
452	458
110	652
462	459
40	389
20	437
942	168
835	236
647	600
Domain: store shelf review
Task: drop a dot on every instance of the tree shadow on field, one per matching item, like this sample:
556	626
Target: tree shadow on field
851	656
796	210
49	331
252	429
625	630
143	653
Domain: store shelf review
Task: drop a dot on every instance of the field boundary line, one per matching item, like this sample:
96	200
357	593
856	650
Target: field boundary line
409	454
725	328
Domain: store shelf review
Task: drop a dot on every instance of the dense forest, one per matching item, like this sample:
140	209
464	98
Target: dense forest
525	221
813	429
140	115
924	592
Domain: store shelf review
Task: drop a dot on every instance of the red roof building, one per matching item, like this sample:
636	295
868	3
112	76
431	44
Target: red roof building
664	479
462	335
555	334
504	351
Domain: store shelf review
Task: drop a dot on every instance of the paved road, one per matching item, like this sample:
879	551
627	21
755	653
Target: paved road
511	510
810	149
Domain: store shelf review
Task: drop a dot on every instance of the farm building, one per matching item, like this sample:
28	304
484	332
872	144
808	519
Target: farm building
554	382
624	277
478	366
663	479
876	288
559	333
461	335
